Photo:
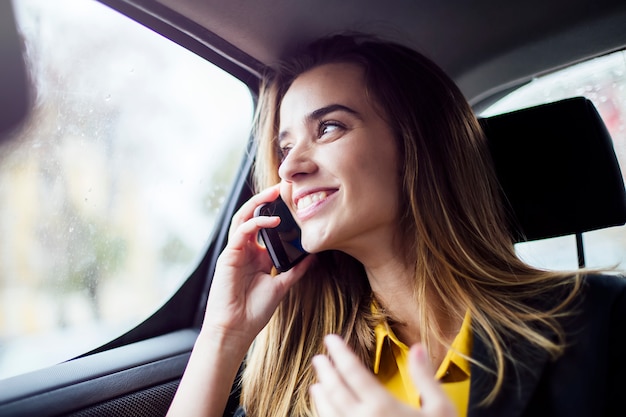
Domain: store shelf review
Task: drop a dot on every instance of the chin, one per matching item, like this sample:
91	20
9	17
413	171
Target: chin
314	245
311	248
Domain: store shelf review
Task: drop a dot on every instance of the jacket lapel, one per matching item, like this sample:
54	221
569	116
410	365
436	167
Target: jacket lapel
519	383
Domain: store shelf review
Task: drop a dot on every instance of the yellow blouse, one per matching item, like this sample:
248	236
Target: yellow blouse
391	367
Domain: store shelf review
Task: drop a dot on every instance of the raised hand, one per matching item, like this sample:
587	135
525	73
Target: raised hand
244	294
346	388
242	299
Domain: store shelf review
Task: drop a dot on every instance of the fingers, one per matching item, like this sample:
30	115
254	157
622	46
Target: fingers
434	399
345	387
344	384
331	395
248	231
246	211
244	227
356	376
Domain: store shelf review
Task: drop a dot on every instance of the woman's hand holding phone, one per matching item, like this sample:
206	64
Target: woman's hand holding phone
244	294
242	299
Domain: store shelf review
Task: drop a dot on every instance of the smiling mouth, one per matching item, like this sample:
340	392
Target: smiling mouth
310	199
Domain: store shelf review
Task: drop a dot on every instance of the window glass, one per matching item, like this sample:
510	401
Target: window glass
554	253
109	191
603	81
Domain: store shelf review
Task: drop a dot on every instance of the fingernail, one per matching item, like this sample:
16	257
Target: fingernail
333	340
316	361
419	352
314	389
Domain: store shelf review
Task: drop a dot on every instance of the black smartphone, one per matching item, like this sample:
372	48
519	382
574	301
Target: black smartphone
283	241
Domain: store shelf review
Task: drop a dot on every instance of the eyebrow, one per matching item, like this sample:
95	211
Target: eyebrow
321	112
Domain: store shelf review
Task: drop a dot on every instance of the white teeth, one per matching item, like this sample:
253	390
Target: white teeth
307	200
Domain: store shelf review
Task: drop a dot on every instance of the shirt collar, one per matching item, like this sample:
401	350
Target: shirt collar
462	345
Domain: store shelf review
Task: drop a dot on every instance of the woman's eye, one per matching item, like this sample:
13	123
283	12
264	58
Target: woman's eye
284	151
326	128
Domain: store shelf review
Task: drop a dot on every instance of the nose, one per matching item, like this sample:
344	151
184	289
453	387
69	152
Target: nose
298	162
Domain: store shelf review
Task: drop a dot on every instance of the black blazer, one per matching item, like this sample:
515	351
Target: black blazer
589	379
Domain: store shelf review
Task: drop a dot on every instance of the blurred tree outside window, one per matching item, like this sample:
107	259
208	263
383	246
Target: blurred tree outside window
603	81
109	191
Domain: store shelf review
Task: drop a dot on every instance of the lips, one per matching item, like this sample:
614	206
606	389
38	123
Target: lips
310	199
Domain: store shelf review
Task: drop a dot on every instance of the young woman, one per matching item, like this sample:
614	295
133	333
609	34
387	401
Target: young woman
413	302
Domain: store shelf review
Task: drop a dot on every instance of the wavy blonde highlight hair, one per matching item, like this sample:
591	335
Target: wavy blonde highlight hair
454	227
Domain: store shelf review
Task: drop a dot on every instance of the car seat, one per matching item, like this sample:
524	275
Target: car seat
557	170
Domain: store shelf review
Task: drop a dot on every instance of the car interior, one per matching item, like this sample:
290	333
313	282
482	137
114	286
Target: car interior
556	162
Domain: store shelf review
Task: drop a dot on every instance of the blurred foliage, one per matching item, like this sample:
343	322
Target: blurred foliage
175	251
220	180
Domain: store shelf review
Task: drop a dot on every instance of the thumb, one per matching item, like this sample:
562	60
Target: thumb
289	278
433	398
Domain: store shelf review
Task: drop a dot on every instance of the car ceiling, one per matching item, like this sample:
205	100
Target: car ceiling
486	46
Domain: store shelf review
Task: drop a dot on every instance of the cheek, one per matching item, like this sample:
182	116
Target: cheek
381	169
285	192
385	186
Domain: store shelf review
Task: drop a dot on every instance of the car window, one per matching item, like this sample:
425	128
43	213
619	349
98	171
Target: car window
603	81
109	191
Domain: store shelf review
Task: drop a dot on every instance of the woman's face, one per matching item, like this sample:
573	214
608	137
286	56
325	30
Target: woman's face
340	172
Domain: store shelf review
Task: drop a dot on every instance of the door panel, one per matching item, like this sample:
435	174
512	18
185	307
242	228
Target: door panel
137	379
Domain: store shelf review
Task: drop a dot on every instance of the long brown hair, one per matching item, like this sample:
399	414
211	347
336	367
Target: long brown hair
455	231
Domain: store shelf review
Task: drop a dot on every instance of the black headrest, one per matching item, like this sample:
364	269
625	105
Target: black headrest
557	169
